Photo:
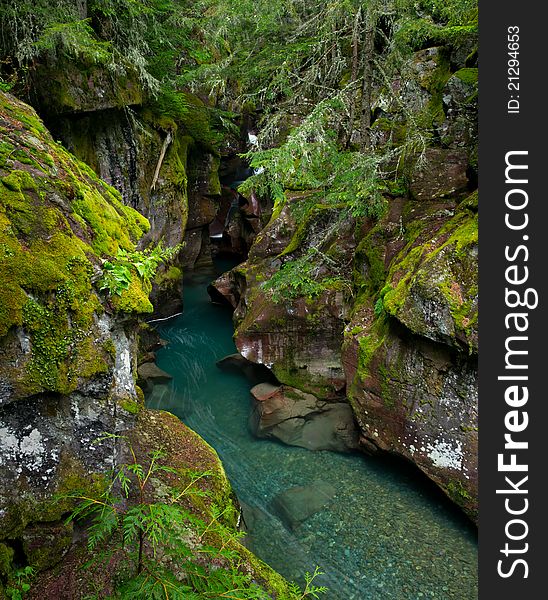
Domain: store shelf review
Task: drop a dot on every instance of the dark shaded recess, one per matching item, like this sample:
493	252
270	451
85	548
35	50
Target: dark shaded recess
253	372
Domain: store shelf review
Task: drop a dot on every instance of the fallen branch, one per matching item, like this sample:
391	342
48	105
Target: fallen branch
167	141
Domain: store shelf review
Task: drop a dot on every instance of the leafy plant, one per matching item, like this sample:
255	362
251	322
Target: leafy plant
301	277
310	589
117	274
20	584
164	551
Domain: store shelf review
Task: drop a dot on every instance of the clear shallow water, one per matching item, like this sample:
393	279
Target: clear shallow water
388	533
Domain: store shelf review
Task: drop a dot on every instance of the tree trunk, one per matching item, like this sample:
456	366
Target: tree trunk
368	48
354	74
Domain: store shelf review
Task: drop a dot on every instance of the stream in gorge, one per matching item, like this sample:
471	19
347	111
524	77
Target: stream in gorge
387	534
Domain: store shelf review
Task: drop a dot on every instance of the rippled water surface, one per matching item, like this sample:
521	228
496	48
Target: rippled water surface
388	534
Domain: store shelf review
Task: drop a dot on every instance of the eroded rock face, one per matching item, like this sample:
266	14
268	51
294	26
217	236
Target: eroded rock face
441	174
300	419
124	147
299	338
393	323
299	342
68	350
69	86
411	361
151	430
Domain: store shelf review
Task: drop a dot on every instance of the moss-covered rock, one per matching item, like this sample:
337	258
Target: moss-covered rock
6	559
74	86
406	336
185	453
176	193
433	286
416	398
410	349
58	221
65	353
287	320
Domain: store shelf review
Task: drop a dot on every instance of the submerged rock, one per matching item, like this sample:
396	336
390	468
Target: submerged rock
297	504
301	419
151	373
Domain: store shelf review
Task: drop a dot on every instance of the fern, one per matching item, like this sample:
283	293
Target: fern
168	552
117	274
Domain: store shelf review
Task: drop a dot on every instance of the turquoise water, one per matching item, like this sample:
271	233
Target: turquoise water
388	533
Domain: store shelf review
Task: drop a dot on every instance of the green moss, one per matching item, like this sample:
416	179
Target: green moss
273	582
458	492
6	559
435	84
369	274
395	297
198	123
56	225
470	203
300	379
131	406
140	395
368	345
18	181
51	548
313	213
6	150
22	114
386	392
395	130
468	75
71	477
113	225
135	298
445	262
174	169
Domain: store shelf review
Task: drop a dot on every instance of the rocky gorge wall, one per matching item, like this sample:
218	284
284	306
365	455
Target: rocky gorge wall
69	349
66	350
388	322
382	354
162	159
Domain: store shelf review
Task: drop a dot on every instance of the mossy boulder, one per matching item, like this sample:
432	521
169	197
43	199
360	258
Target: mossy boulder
177	194
46	544
410	348
418	399
66	347
185	453
58	222
295	331
432	287
68	86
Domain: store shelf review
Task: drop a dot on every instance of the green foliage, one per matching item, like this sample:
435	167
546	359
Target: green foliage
117	275
76	39
144	35
379	304
166	552
19	583
311	158
301	278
